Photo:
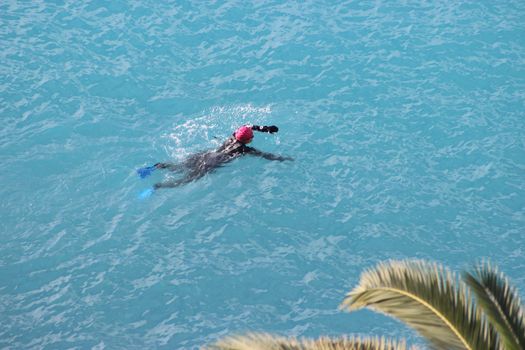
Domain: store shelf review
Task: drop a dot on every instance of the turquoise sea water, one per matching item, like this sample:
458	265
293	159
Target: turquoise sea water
406	121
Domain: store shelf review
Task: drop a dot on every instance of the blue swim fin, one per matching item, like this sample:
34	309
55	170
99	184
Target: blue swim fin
146	171
146	193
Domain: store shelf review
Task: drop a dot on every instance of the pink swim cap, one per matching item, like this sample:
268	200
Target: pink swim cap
244	134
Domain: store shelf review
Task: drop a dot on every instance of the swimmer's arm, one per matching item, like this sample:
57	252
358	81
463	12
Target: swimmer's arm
271	129
265	155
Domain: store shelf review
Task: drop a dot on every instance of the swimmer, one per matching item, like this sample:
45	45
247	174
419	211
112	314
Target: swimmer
199	164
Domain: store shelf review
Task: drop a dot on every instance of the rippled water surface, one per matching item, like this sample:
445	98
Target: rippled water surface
405	119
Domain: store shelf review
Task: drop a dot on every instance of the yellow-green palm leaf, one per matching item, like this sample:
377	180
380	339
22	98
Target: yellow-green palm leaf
428	298
269	342
501	303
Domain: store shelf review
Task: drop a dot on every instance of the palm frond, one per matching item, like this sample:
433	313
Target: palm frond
501	303
257	341
428	298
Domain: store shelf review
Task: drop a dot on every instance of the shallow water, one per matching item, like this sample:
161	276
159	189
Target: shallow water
406	122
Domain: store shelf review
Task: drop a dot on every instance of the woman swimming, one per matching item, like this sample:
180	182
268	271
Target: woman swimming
199	164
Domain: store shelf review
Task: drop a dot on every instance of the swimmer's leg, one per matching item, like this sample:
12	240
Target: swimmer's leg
171	184
146	171
169	166
175	183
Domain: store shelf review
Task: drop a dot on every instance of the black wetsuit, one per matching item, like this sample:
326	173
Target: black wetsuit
199	164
